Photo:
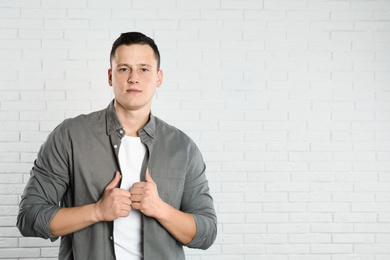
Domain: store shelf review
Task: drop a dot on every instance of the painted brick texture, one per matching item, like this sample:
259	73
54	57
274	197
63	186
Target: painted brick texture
289	102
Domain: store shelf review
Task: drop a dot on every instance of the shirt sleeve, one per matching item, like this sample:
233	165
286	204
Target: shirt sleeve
49	179
198	202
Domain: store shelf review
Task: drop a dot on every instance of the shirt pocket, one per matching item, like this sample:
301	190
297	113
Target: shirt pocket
170	186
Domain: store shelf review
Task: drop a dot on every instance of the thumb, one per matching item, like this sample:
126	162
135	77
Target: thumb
148	178
114	182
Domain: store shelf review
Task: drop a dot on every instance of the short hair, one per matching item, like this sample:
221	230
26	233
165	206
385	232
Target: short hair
130	38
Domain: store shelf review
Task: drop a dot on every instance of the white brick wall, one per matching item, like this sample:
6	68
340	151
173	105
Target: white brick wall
289	102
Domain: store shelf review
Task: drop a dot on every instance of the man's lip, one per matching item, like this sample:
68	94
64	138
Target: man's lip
133	91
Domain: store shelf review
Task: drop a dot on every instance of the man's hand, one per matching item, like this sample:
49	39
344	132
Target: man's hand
145	198
115	202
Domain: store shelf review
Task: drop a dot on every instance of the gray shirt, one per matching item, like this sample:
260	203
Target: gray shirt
79	159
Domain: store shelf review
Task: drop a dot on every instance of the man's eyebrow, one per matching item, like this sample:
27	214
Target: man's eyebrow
122	64
144	65
139	65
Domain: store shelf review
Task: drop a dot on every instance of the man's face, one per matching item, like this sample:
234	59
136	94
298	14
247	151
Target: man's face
134	76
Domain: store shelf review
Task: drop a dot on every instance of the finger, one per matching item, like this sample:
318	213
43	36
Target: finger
114	182
148	178
136	191
138	185
127	202
125	193
136	205
125	212
136	198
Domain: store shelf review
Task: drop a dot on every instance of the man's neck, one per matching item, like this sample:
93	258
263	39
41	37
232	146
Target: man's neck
132	121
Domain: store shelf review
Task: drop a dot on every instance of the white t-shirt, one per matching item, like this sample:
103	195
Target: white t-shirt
128	231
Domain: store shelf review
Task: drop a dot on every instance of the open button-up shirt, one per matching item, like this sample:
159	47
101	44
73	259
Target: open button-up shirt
79	159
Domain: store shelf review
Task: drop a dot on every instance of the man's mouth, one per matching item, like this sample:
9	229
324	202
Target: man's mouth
133	91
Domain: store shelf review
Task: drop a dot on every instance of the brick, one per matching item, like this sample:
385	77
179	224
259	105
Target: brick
307	15
50	252
46	13
367	5
258	197
300	146
239	187
328	5
8	199
40	34
264	15
201	25
266	115
20	23
221	14
353	238
245	249
330	166
329	207
68	4
331	249
8	242
243	166
372	248
286	186
239	207
355	217
8	33
266	217
340	186
264	35
265	156
313	176
310	257
265	238
8	157
284	125
249	228
310	196
351	15
371	207
20	252
288	228
309	238
356	176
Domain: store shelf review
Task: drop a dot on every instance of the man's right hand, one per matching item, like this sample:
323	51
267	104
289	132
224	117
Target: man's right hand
115	202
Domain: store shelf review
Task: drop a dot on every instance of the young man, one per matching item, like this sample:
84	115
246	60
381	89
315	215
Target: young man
120	183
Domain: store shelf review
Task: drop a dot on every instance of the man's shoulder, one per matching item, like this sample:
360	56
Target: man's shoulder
171	133
166	128
92	119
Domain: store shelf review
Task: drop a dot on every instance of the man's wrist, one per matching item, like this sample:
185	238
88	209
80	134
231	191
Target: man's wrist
163	211
96	214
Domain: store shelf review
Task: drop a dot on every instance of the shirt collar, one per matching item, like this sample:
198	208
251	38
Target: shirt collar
113	123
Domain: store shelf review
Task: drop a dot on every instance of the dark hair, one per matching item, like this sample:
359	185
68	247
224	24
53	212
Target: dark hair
130	38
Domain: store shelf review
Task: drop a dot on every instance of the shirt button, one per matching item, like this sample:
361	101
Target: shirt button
121	131
115	146
111	238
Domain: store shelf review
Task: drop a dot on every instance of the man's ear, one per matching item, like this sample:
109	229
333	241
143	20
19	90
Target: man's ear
110	77
159	78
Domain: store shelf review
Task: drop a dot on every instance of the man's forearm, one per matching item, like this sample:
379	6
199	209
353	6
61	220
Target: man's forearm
179	224
69	220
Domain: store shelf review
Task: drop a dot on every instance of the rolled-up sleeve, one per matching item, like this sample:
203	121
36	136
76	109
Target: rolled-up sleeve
199	203
49	179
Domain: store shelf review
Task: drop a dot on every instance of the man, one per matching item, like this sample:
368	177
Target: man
120	183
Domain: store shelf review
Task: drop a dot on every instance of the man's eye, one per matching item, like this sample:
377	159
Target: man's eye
144	70
123	69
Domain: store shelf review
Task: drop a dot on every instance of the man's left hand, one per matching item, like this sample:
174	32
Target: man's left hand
145	198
